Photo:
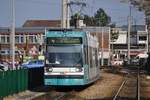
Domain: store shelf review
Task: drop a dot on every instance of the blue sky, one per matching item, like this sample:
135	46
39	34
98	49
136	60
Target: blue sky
51	9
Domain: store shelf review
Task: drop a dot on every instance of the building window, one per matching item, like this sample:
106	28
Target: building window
35	39
3	52
9	52
5	39
32	39
16	39
142	38
19	39
8	39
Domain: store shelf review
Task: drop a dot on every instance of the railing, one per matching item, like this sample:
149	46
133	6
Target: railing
13	81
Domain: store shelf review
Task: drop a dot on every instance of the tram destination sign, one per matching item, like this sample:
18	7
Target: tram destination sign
64	40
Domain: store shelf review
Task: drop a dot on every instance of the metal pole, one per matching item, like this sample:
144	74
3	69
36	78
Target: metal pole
109	47
112	50
146	28
68	14
138	85
111	44
13	34
63	22
129	30
102	59
147	39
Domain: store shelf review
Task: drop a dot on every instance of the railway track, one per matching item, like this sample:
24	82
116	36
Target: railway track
135	86
130	87
53	96
61	94
144	87
67	96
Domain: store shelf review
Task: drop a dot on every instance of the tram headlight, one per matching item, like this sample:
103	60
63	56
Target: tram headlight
78	69
50	69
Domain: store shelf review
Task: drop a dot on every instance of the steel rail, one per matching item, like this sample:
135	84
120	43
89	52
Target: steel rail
137	90
61	95
115	97
138	85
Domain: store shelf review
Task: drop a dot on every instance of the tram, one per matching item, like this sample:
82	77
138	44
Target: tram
71	58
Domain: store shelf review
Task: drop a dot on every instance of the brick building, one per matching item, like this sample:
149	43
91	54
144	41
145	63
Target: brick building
32	34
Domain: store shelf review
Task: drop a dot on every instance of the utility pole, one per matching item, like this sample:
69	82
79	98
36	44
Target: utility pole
102	50
147	39
64	13
129	31
146	29
112	41
109	40
12	36
65	22
68	14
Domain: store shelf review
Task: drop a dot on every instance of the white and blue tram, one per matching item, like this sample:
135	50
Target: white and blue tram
71	58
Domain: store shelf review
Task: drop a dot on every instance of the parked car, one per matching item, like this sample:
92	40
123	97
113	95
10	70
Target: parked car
135	61
117	62
140	59
3	67
33	64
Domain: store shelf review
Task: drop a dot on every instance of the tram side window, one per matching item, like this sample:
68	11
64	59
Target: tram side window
96	57
86	54
91	56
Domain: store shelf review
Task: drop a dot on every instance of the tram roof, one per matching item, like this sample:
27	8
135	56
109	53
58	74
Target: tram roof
66	33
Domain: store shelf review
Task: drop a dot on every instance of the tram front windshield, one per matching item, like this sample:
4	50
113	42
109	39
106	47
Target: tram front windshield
64	55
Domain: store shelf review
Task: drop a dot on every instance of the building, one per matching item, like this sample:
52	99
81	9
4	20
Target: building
138	42
28	41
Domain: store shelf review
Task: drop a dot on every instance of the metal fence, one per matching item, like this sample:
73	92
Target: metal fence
13	81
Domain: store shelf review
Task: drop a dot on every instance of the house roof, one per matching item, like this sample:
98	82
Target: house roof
42	23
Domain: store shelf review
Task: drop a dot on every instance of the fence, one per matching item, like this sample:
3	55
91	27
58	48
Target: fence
13	81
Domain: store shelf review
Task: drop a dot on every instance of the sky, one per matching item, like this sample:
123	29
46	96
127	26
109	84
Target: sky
51	9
